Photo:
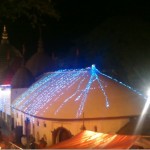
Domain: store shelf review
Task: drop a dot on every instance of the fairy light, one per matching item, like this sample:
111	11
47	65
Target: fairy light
45	93
5	98
73	95
52	87
123	84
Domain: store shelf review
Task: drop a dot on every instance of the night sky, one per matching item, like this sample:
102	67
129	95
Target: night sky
114	35
77	18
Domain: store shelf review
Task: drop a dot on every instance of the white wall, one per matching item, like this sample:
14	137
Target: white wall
16	92
105	126
5	98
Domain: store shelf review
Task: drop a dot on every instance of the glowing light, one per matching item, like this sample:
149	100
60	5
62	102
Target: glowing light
148	93
50	89
5	99
143	114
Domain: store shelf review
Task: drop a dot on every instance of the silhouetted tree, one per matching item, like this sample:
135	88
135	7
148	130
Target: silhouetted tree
33	11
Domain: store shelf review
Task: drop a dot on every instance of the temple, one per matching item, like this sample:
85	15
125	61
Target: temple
55	106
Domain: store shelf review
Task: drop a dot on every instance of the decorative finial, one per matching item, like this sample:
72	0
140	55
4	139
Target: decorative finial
4	34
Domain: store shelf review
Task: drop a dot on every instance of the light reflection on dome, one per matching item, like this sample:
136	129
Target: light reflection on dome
49	89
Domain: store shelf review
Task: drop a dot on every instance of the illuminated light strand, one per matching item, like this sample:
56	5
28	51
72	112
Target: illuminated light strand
36	86
80	95
101	86
94	72
50	89
123	84
66	100
33	88
84	97
5	98
40	103
42	89
65	83
93	78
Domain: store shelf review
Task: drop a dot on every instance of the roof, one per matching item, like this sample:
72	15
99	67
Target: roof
94	140
10	58
77	91
22	78
39	63
7	52
143	129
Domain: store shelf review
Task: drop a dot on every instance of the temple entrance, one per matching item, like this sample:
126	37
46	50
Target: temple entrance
60	134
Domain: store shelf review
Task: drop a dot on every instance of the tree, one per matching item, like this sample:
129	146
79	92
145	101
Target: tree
33	11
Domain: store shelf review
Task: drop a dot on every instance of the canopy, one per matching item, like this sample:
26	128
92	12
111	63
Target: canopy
93	140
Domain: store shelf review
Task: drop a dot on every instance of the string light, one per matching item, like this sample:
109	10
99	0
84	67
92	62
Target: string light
5	98
52	87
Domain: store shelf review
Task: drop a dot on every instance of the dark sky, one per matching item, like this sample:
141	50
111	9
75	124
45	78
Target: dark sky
77	19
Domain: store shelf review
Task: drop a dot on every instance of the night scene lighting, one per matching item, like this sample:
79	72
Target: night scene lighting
45	90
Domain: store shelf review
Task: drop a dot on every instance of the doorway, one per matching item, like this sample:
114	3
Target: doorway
60	134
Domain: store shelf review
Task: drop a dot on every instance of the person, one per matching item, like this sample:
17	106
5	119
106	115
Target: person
24	141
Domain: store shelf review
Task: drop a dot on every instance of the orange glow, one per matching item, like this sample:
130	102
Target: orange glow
89	139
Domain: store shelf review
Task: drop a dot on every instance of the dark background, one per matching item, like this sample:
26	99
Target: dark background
77	18
114	35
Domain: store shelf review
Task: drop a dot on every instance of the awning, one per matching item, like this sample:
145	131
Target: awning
93	140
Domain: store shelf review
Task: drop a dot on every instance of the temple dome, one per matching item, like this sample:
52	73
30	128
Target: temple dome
7	52
67	94
10	57
39	62
23	78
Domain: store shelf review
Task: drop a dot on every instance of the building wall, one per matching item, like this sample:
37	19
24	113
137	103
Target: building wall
5	99
17	92
43	128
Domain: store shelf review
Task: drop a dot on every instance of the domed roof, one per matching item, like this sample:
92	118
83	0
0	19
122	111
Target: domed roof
39	62
7	51
67	94
23	78
9	55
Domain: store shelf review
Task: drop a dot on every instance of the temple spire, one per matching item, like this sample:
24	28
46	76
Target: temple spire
4	36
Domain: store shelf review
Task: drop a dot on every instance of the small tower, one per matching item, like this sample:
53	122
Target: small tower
40	62
4	36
